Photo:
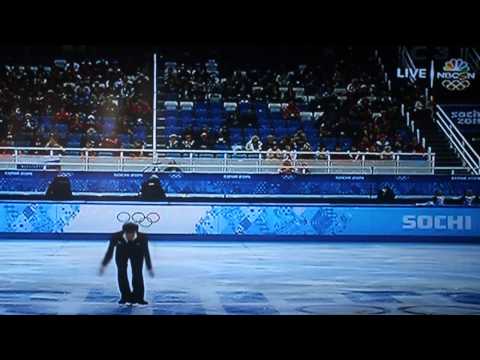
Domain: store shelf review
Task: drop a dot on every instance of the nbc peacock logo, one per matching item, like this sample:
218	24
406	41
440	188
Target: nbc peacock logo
457	65
456	75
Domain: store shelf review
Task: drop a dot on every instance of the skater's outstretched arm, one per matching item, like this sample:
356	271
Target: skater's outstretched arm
108	256
148	260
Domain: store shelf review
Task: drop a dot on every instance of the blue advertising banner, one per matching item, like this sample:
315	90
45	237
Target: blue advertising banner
465	117
222	184
297	220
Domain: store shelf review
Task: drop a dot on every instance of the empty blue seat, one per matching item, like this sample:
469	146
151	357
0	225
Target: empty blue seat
174	130
249	132
236	136
302	107
217	121
346	144
171	113
264	122
236	141
244	107
276	116
263	117
216	114
108	129
216	106
261	107
200	106
185	114
125	139
314	143
75	137
140	133
186	121
62	128
171	121
221	147
202	122
329	143
140	136
280	131
264	132
292	125
109	119
73	143
201	113
22	143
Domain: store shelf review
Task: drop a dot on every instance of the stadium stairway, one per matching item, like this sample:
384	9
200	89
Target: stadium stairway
162	137
436	139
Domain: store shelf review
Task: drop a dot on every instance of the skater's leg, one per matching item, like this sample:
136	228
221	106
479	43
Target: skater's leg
123	283
137	280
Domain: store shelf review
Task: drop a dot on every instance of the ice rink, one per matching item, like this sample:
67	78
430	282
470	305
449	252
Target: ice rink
196	278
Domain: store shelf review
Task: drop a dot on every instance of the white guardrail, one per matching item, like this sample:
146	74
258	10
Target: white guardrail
462	147
75	159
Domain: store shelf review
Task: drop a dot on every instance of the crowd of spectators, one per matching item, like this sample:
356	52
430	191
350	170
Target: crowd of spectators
101	103
350	102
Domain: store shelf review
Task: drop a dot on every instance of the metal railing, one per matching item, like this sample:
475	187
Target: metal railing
407	62
472	56
206	161
462	147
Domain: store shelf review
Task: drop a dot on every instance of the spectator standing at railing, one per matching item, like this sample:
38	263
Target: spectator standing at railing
53	142
111	142
287	167
37	142
397	146
303	169
289	153
469	199
204	142
8	141
387	153
438	199
274	152
287	141
140	146
354	154
173	142
254	144
91	134
189	143
269	141
172	167
89	144
299	139
223	136
306	148
322	152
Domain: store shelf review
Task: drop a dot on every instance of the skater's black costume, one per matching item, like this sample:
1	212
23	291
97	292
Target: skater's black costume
136	251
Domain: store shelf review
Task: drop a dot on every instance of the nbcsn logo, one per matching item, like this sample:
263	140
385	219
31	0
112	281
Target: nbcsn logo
456	75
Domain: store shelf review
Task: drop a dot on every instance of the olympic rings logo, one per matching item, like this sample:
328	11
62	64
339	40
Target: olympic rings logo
456	85
139	218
